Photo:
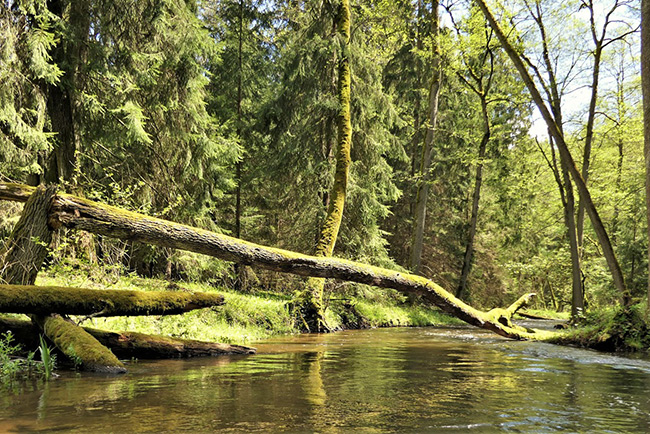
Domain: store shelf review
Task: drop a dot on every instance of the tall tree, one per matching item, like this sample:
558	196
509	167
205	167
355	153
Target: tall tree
29	32
645	78
479	68
314	315
427	149
556	132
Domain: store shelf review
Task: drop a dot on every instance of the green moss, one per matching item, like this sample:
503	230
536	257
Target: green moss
614	329
84	350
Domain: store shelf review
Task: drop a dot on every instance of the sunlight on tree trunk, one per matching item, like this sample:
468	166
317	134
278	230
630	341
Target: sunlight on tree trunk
311	310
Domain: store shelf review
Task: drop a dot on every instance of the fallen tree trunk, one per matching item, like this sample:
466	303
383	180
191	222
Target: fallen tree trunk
42	300
143	346
77	213
128	345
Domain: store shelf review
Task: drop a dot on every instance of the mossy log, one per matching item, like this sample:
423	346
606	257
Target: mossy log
43	300
77	213
143	346
129	345
79	346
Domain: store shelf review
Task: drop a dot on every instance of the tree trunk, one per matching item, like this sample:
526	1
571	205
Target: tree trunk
129	345
554	129
69	54
310	303
24	252
589	137
43	300
20	261
469	250
577	298
645	84
422	195
77	213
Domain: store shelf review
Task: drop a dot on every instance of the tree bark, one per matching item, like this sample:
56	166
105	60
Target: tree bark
422	195
645	84
24	252
585	195
43	300
77	213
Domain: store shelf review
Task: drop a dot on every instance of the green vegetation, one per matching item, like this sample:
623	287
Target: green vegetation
15	366
229	116
247	318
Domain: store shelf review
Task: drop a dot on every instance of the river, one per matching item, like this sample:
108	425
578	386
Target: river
383	380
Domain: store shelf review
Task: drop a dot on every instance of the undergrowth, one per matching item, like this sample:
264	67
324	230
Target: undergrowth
245	318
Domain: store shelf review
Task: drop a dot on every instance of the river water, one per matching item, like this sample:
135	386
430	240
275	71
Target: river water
383	380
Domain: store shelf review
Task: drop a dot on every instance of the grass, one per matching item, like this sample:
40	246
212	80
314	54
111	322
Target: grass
245	318
14	369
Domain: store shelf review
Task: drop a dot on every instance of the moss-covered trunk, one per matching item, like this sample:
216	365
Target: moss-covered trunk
79	346
310	303
129	345
43	300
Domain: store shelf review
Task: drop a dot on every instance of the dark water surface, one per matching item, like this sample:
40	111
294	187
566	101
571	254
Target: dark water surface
384	380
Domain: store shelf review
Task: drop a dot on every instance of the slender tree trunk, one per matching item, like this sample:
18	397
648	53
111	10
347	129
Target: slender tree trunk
311	309
645	84
422	196
469	250
238	164
589	137
585	195
577	299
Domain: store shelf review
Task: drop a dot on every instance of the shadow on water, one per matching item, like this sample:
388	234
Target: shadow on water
410	380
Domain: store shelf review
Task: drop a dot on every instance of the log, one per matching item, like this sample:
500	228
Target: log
79	346
78	213
43	300
143	346
129	345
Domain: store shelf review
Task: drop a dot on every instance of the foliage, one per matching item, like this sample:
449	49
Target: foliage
15	368
178	107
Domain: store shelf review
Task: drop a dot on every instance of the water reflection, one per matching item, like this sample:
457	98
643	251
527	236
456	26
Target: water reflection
450	380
